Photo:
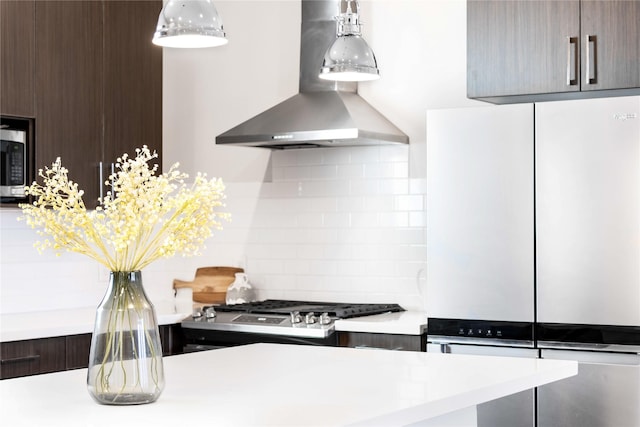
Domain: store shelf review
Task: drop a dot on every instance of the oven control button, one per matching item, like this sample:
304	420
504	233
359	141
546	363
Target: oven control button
295	317
324	319
310	318
209	312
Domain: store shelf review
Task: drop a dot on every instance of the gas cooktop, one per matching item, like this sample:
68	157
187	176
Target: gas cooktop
282	317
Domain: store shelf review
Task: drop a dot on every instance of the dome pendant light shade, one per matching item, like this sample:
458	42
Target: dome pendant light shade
189	24
349	58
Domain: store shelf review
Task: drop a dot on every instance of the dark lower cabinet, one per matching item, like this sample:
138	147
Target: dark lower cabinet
40	356
172	339
382	341
77	351
22	358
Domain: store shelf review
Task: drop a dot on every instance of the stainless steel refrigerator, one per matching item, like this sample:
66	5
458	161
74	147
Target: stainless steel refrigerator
533	250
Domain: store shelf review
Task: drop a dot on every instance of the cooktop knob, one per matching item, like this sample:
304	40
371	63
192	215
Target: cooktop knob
196	314
210	312
324	319
310	318
295	317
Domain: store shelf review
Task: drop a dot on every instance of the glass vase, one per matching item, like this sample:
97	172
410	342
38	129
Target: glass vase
125	360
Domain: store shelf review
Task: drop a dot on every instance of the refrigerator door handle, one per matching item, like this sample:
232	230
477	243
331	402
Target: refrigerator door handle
443	344
611	348
498	342
591	357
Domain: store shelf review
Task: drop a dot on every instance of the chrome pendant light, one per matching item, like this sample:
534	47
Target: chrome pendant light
349	58
189	24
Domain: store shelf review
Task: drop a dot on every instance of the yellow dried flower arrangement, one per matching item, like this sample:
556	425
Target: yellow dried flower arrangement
144	217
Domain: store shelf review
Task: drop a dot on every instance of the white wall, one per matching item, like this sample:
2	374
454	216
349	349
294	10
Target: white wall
332	224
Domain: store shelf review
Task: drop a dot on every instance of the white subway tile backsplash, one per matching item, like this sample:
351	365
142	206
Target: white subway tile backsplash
350	204
338	220
417	219
394	153
331	188
365	155
364	220
418	186
310	219
335	224
335	157
350	171
364	187
324	172
394	186
393	219
408	203
379	203
278	189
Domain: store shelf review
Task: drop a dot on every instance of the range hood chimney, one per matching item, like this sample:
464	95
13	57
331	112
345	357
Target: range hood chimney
324	113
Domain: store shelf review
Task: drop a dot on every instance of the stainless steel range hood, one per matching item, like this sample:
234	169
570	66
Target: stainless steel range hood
324	113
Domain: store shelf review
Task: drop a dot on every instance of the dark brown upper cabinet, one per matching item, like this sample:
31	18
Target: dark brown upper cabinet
69	92
132	79
88	74
17	58
533	50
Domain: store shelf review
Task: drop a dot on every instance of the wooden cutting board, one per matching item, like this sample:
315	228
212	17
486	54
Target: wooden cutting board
210	283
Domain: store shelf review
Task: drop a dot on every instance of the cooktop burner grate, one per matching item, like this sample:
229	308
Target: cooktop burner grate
336	310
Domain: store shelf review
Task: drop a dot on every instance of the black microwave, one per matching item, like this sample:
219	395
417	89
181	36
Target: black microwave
16	143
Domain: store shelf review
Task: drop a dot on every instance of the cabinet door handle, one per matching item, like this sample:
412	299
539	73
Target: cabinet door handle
101	181
112	171
572	65
21	359
591	56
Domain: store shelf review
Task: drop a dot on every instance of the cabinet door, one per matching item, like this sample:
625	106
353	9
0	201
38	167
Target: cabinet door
69	89
383	341
21	358
78	351
17	55
611	44
522	47
133	78
172	339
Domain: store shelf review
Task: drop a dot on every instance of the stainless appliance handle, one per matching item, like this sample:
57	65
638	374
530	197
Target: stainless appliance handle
611	348
101	181
572	66
587	75
112	171
444	340
593	357
368	347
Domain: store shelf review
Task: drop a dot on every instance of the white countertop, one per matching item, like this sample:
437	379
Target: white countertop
277	384
44	324
55	323
403	323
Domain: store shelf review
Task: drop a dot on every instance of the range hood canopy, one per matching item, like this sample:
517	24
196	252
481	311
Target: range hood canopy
324	113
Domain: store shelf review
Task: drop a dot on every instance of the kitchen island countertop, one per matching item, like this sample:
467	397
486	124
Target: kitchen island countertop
278	384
